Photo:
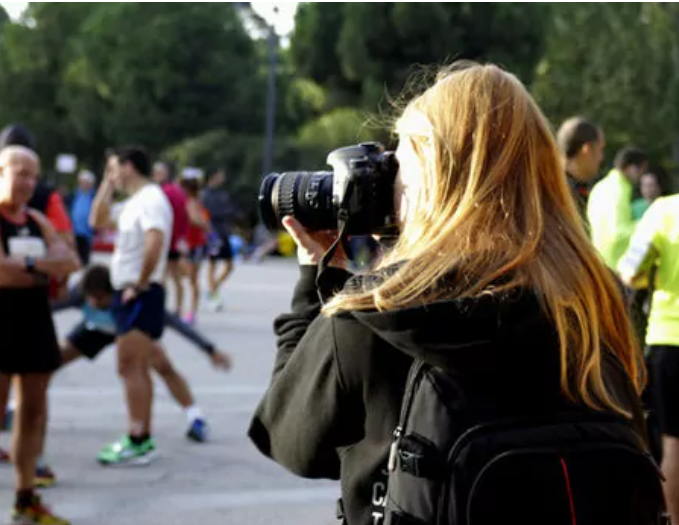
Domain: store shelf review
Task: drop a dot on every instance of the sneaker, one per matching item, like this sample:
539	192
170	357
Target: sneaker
190	319
4	456
36	514
198	431
124	452
215	302
44	477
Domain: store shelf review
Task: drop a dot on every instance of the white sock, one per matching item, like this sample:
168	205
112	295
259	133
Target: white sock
193	412
12	405
40	462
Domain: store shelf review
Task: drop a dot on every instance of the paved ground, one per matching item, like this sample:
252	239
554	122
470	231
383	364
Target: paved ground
225	481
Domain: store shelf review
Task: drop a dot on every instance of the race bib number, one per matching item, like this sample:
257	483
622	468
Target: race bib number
27	247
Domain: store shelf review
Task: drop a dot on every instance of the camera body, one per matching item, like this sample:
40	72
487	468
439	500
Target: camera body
358	191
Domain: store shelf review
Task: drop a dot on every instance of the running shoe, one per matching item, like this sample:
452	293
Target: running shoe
215	302
190	319
44	477
36	514
125	452
4	456
198	431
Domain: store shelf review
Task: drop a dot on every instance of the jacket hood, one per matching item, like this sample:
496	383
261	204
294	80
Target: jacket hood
444	332
502	348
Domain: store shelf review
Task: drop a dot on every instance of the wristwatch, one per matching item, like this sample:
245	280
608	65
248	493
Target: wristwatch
29	264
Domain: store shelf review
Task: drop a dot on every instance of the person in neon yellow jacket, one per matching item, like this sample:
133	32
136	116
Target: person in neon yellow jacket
655	245
609	209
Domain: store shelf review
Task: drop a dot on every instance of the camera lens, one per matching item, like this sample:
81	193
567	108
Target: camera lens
307	196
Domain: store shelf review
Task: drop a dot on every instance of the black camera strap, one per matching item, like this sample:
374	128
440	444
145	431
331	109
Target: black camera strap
342	237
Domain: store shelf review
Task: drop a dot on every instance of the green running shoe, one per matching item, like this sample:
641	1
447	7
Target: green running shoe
124	452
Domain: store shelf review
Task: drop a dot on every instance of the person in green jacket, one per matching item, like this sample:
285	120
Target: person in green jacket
609	209
651	189
653	254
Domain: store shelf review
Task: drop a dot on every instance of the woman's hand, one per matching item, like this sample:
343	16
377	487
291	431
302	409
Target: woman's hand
311	246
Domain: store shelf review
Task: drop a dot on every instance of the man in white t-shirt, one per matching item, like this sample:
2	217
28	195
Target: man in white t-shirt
144	224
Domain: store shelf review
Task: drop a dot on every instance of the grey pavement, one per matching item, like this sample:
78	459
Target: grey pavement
223	481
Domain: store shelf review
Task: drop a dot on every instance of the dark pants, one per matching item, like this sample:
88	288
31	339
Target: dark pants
84	247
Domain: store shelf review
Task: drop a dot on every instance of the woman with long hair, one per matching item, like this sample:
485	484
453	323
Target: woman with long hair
492	278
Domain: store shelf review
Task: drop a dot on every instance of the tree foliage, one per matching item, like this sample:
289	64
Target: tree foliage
86	76
189	80
618	64
364	48
4	17
362	55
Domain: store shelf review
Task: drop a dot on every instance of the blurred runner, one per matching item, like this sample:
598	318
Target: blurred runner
219	206
137	271
163	174
96	331
199	227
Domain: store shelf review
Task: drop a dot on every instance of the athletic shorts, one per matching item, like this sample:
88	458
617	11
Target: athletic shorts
663	372
197	254
146	313
89	342
174	255
220	251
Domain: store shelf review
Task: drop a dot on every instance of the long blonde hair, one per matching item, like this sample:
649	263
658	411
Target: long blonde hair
496	208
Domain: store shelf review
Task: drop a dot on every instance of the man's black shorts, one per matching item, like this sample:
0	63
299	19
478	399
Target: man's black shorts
663	370
89	342
173	255
146	313
219	248
197	254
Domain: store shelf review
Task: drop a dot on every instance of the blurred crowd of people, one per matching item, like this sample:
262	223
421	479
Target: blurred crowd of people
164	230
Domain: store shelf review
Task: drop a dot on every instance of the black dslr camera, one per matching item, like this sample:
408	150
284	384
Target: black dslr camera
356	197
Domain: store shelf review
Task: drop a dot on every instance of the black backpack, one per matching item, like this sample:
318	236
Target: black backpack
575	468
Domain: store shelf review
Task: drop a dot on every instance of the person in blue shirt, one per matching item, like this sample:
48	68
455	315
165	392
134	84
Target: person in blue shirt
80	215
96	331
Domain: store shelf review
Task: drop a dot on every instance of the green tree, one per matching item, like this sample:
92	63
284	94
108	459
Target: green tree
241	159
373	46
619	65
164	72
361	54
33	53
89	75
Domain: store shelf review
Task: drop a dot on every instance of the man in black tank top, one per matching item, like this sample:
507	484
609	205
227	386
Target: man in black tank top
31	254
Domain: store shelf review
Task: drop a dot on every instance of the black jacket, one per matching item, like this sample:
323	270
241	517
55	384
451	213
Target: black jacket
338	382
580	191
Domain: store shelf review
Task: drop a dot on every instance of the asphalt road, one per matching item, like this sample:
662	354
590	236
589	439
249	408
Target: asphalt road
223	481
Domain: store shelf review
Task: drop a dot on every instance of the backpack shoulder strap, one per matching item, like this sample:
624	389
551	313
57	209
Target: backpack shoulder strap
411	385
